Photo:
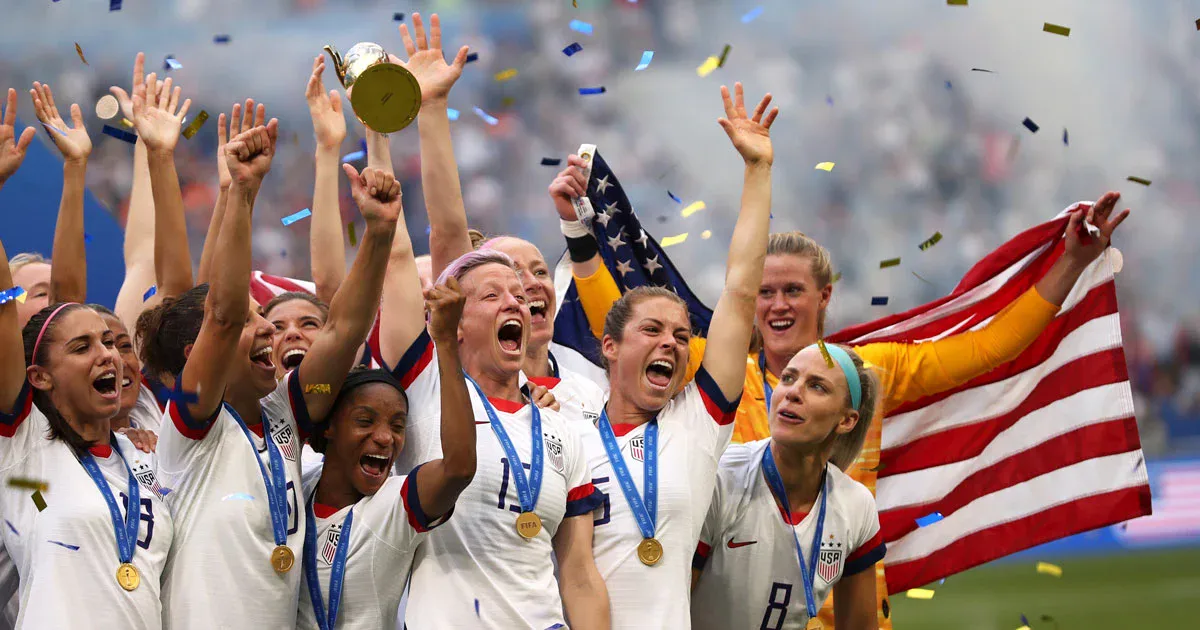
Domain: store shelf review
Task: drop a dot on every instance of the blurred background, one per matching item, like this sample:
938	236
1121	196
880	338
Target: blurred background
888	91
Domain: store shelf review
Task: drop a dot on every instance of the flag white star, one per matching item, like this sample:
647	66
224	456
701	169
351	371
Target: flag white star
624	267
616	241
643	238
652	264
612	208
602	184
603	217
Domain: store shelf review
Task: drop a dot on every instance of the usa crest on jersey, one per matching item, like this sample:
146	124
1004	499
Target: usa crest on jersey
284	436
554	452
829	563
637	448
329	546
145	476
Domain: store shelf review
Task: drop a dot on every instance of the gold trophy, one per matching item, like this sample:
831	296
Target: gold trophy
386	97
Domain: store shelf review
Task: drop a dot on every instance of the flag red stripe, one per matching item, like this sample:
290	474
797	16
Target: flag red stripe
1001	540
965	442
1096	440
1100	301
286	284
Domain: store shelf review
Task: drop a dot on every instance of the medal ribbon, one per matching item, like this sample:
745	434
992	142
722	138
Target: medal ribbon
807	573
646	512
768	391
276	482
528	488
127	531
336	577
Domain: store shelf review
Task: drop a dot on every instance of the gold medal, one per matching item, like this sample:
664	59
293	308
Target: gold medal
282	559
814	624
128	576
529	525
650	551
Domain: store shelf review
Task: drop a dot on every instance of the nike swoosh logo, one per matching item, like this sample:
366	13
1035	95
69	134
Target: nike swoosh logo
735	545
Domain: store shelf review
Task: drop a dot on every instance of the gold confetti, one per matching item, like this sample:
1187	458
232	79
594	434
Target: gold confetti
956	3
317	388
79	51
825	352
22	297
353	236
505	75
891	262
507	102
706	234
38	500
824	166
1024	628
674	240
692	208
28	484
126	123
1056	29
930	242
195	125
724	55
1138	180
710	64
1049	569
919	593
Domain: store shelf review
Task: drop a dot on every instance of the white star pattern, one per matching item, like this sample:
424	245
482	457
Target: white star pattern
612	208
602	184
616	241
643	238
603	217
652	264
624	267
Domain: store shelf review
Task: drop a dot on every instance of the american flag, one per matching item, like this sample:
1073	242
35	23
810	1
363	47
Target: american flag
1041	448
265	286
1176	515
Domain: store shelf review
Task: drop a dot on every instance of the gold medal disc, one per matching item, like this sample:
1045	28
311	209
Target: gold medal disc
529	525
282	559
128	576
650	551
814	624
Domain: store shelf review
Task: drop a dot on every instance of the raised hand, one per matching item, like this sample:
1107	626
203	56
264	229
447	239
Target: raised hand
12	148
751	136
445	303
73	142
329	123
248	155
124	99
377	194
237	124
569	184
1083	247
157	114
426	62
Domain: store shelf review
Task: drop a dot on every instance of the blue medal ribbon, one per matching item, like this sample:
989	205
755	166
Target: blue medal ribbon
645	511
528	488
336	577
276	482
768	391
127	530
807	573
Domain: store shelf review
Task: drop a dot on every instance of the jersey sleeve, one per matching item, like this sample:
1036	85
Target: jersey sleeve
868	546
16	428
713	529
708	414
417	372
909	371
597	293
582	496
182	439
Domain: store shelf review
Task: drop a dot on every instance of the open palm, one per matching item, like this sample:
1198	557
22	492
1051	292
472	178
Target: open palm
155	114
751	135
426	61
73	142
12	148
329	123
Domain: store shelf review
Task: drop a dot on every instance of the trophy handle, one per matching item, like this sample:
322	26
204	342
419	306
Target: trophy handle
337	63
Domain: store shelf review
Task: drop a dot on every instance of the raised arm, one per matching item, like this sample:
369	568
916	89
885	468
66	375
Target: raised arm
448	237
68	279
12	348
12	148
327	244
379	151
402	310
733	320
228	304
441	481
581	244
353	308
241	119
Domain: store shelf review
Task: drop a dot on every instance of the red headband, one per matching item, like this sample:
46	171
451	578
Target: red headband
45	325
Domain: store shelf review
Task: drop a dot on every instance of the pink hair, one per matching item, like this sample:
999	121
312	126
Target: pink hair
472	260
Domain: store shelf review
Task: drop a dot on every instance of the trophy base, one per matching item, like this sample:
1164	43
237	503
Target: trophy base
386	97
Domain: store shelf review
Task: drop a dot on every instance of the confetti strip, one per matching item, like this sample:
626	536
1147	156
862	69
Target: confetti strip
983	70
171	63
1049	569
930	242
220	39
551	161
353	234
956	3
1056	29
708	66
292	218
824	166
1030	125
1066	139
692	208
879	300
647	56
825	352
891	262
472	57
150	292
488	118
572	49
579	26
1198	25
114	5
63	544
14	293
706	234
195	125
1138	180
120	134
829	101
592	90
28	484
12	527
724	55
673	197
919	593
673	240
397	17
757	11
79	51
949	85
351	157
452	113
929	519
38	501
920	278
505	75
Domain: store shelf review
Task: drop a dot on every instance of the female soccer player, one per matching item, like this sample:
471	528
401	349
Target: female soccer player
363	526
231	451
785	526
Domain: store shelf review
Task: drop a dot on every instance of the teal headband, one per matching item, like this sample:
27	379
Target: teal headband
849	369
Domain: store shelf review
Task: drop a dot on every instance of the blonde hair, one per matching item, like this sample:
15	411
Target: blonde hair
796	243
847	446
25	258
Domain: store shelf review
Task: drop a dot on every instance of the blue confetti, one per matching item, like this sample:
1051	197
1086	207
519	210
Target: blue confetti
10	526
428	229
397	17
929	519
488	118
551	161
220	39
452	113
350	157
113	5
55	542
237	496
150	292
170	63
9	295
673	197
949	85
829	101
292	218
879	300
751	15
579	26
646	57
1030	125
572	49
592	90
50	128
1065	139
477	608
472	57
120	134
1024	621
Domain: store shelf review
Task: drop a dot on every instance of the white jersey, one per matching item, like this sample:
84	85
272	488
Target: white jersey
384	534
577	394
10	583
693	429
67	554
219	573
751	576
146	414
476	572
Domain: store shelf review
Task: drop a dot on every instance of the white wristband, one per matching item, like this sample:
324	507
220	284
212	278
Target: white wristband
573	229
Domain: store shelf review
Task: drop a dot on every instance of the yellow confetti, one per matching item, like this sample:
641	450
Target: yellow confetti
1138	180
353	235
195	125
674	240
128	124
724	56
706	234
28	484
505	75
1049	569
23	296
824	166
710	64
38	500
919	593
692	208
825	352
1024	628
930	242
956	3
891	262
1065	31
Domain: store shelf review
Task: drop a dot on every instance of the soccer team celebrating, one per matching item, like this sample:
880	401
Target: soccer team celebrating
200	458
